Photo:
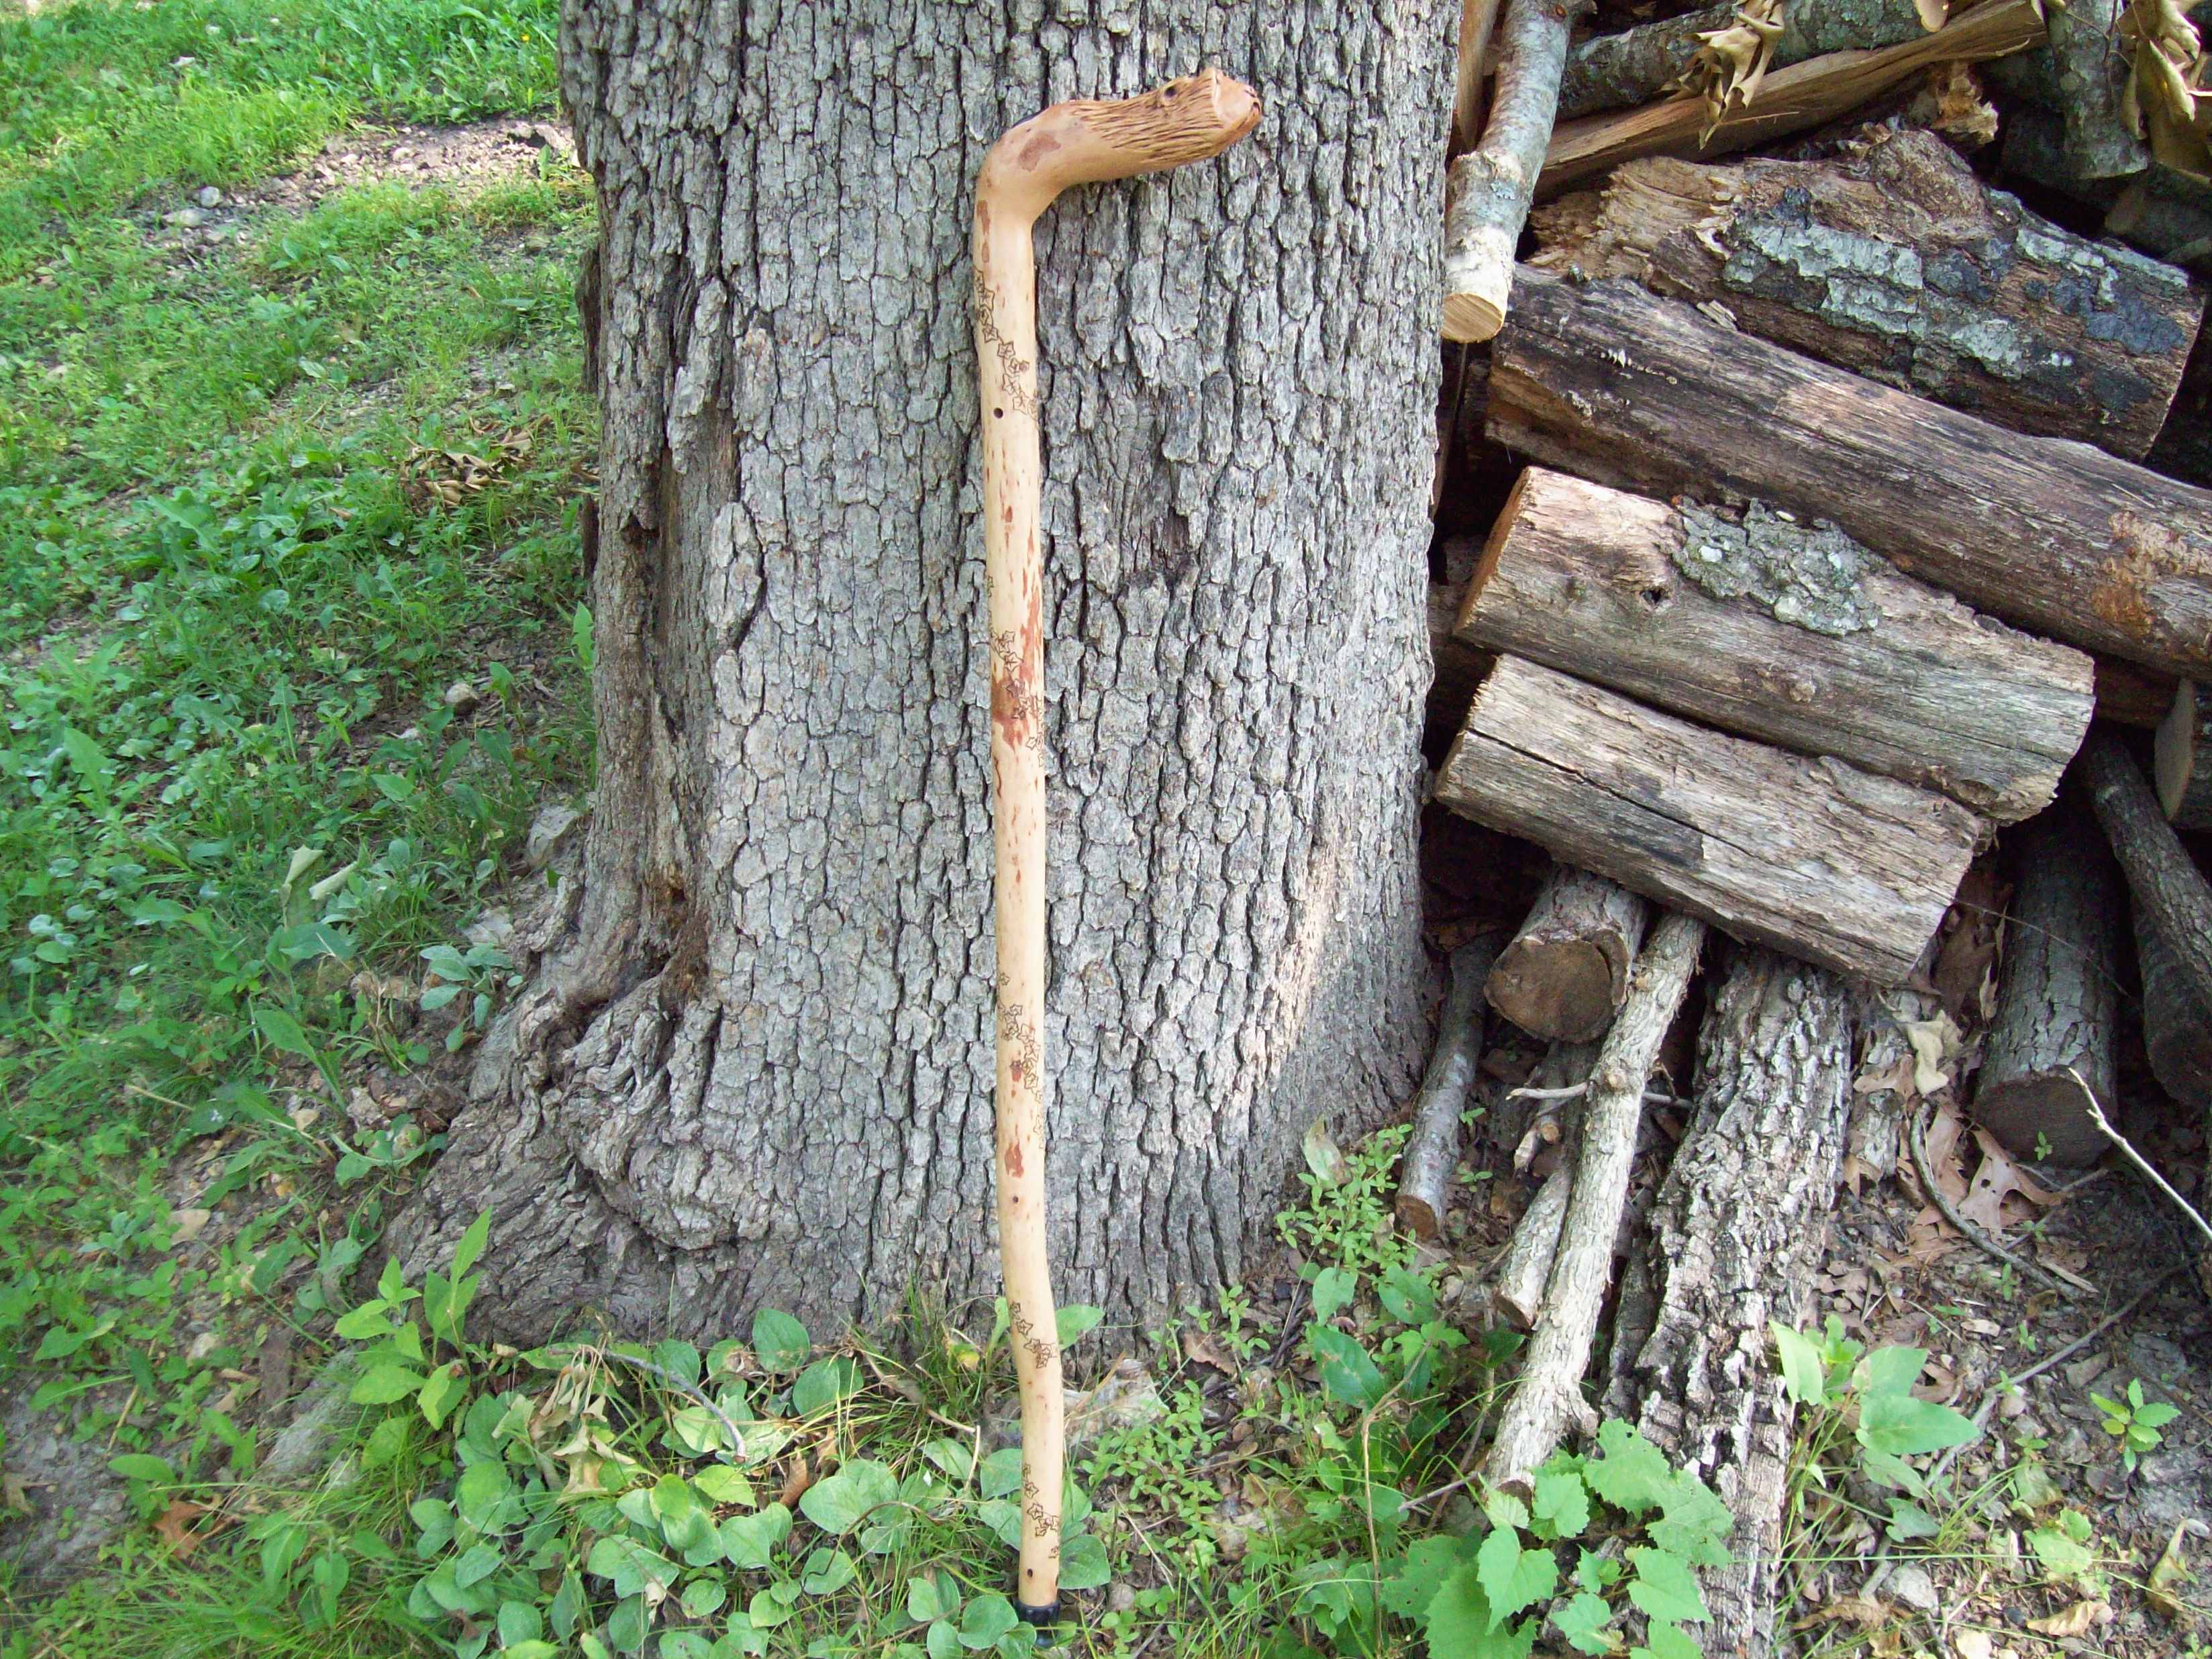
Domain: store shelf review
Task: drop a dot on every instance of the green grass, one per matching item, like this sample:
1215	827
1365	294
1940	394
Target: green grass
232	597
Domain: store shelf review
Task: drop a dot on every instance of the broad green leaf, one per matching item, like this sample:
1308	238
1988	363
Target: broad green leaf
780	1342
1633	1474
631	1566
444	1389
987	1619
1694	1524
822	1384
282	1031
1664	1640
383	1385
388	1440
1332	1290
1582	1618
1561	1505
703	1597
480	1492
1513	1578
1082	1564
936	1596
1004	1517
720	1484
1905	1425
471	1244
1073	1324
838	1504
1458	1622
828	1571
1664	1586
943	1641
1347	1369
1893	1370
1407	1297
1803	1373
2063	1556
519	1621
1000	1473
2156	1414
750	1540
142	1466
1596	1573
365	1323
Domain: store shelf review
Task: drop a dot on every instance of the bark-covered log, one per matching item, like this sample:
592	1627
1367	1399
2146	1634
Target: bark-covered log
1634	66
2181	757
1566	972
2090	55
2176	1022
2127	692
1794	99
1547	1398
1778	629
1739	1226
2056	994
1477	18
1489	189
1612	382
748	1075
1891	260
2034	148
1431	1151
2171	894
1516	1294
2167	212
1813	857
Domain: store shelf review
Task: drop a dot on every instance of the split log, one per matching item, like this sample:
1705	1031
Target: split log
2181	757
1794	99
1489	189
1638	65
1814	857
1609	381
1432	1151
2171	893
2092	64
2167	212
1780	630
1547	1399
1734	1235
1517	1297
2177	1024
2057	995
1566	972
1893	260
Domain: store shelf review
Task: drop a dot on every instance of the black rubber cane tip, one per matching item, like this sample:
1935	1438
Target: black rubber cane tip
1029	1614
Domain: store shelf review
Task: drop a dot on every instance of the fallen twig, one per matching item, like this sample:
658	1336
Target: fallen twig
1973	1234
2104	1124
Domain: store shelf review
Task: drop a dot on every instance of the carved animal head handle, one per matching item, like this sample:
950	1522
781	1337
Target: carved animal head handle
1088	141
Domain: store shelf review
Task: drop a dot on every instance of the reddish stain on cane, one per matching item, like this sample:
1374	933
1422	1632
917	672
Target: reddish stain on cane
1037	148
1014	1148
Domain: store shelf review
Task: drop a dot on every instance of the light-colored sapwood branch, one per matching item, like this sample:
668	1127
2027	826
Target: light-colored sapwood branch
1489	190
1432	1151
1547	1399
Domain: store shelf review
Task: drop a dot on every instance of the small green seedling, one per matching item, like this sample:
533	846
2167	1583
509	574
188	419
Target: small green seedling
2135	1422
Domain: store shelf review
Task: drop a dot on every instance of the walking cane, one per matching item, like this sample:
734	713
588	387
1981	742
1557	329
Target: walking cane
1081	142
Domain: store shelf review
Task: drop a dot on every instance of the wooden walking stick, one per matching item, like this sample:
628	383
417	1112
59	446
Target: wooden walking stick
1081	142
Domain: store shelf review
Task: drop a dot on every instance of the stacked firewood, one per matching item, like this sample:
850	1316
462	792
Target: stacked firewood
1840	549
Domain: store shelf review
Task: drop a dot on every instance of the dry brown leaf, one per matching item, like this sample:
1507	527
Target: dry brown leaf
2071	1621
2172	1567
1998	1180
1946	1161
14	1495
1971	1645
185	1225
1864	1611
1203	1348
173	1527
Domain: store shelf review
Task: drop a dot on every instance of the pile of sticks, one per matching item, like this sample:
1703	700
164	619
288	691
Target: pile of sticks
1841	548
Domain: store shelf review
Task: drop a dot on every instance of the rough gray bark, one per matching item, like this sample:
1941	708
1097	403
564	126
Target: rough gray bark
1431	1153
1634	66
1891	260
2056	996
2176	1022
1813	857
1486	200
1566	971
2171	893
1609	381
757	1068
1775	628
2167	212
2181	758
1737	1229
2090	56
1547	1398
1875	1140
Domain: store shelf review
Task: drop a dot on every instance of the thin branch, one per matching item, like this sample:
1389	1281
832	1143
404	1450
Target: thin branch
1973	1234
2097	1117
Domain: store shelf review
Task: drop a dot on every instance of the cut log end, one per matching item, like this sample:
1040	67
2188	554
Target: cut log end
1563	989
1472	318
2044	1117
2178	759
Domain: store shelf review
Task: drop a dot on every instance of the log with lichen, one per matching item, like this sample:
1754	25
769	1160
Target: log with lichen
1891	260
1779	630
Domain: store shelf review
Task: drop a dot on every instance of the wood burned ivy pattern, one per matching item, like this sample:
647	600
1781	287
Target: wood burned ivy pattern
1018	1030
1014	369
1039	1348
1016	707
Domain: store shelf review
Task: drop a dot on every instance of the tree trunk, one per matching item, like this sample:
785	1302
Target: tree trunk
1736	1232
1778	629
1813	857
755	1067
1893	260
1644	393
2053	1034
